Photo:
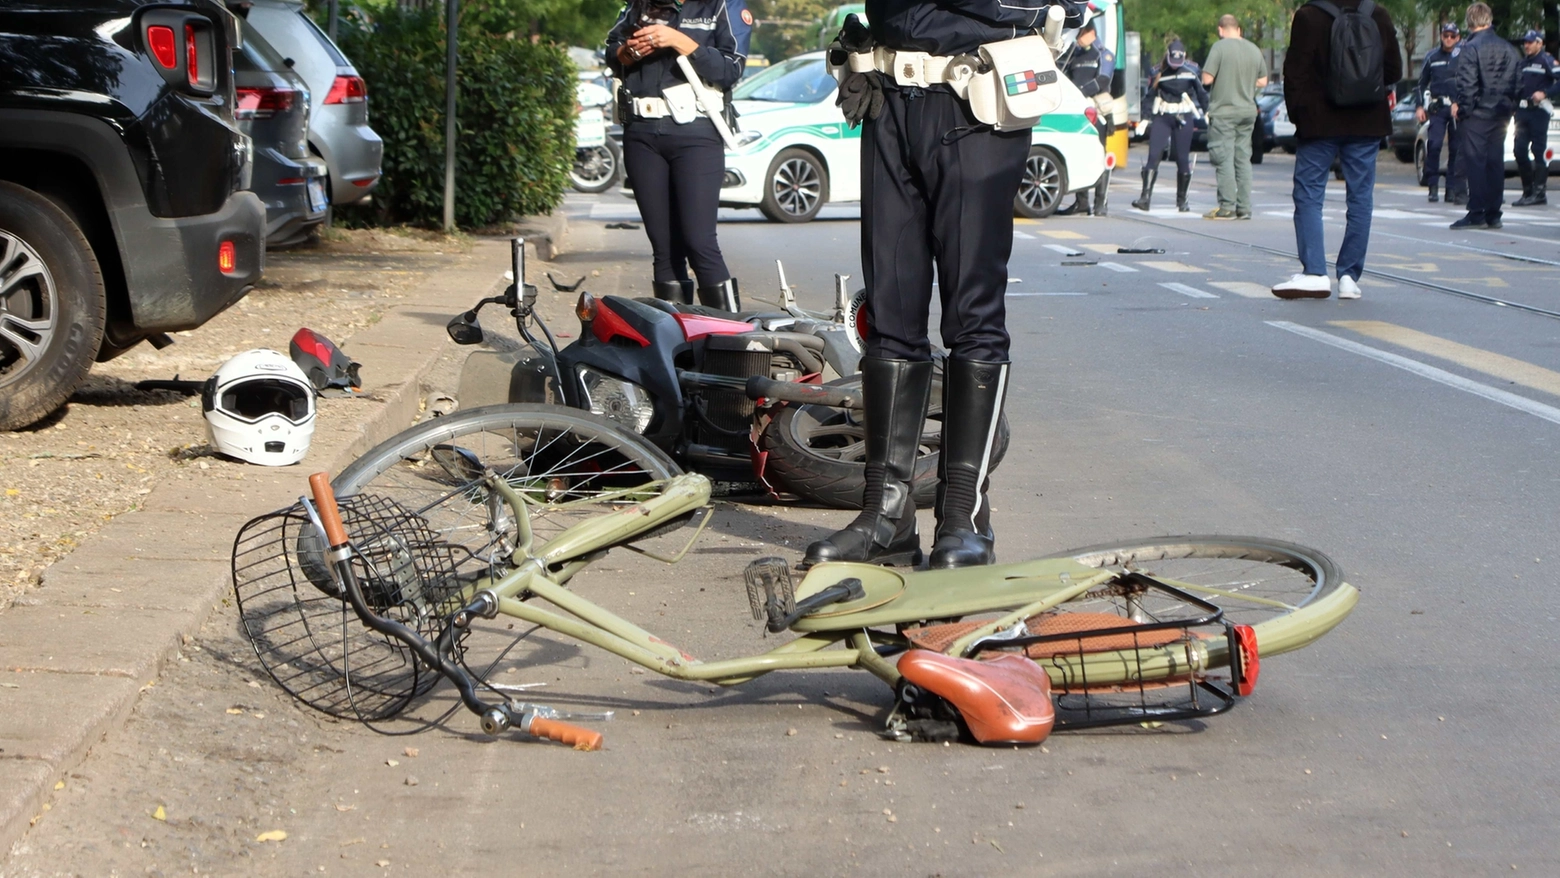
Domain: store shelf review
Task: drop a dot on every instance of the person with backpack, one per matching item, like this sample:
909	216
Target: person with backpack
1342	61
1489	72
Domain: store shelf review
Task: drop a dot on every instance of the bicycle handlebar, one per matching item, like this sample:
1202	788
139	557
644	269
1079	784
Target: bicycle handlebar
564	733
325	504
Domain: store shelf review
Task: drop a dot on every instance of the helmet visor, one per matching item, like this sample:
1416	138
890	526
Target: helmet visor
259	397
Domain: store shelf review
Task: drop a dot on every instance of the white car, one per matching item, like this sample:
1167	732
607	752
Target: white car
796	153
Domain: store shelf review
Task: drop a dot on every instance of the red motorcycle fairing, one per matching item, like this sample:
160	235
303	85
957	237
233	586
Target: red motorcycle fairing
609	325
697	326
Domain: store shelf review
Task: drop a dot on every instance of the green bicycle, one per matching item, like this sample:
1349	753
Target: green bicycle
359	607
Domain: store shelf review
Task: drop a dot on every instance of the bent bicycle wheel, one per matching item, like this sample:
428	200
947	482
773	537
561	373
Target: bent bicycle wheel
569	465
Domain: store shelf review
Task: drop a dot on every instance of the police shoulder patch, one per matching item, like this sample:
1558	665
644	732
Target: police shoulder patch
747	17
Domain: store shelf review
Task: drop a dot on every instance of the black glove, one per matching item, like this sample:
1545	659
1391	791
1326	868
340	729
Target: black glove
853	37
861	97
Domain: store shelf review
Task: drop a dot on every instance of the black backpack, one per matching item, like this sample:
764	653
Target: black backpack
1354	77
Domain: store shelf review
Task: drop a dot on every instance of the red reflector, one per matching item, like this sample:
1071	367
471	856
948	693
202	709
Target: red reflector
366	181
289	181
347	90
1250	659
263	103
1092	113
191	56
227	257
164	49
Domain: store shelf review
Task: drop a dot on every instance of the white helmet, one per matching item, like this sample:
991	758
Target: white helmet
260	408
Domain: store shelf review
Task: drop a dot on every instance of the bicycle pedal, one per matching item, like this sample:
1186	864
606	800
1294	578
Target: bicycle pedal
771	595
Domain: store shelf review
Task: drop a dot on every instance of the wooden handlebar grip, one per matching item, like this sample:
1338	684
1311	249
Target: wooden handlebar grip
325	504
564	733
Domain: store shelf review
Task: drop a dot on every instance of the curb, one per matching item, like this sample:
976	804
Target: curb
76	652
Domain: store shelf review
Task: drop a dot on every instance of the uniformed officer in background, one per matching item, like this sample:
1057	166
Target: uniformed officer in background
1090	67
937	190
1437	89
1179	99
1533	111
676	168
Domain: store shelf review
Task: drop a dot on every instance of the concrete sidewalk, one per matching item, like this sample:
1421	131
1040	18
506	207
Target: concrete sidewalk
76	651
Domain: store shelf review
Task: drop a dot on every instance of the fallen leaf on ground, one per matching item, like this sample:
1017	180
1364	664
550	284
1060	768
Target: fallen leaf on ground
352	841
411	751
60	785
235	710
346	807
273	835
160	814
392	763
381	863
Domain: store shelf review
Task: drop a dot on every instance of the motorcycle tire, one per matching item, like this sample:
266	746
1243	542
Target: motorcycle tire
817	452
597	168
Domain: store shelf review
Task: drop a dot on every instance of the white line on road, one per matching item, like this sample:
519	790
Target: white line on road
1062	249
1018	234
1185	290
1026	295
1520	403
1116	266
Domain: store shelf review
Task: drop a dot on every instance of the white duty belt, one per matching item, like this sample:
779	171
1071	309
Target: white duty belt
649	108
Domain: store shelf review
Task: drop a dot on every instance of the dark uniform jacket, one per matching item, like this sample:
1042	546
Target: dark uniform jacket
1488	75
1091	69
1306	67
1176	83
1538	74
719	60
1438	78
954	27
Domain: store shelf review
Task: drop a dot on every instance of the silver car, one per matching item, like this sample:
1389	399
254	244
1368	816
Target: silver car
338	98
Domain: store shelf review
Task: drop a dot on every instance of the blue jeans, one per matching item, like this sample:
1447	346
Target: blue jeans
1313	163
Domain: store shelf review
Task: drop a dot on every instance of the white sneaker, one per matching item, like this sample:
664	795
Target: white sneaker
1304	286
1347	288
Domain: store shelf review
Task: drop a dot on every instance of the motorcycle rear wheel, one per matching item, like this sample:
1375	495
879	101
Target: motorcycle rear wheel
819	453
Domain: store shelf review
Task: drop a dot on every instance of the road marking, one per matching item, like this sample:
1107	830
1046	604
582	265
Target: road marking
1062	249
1243	288
1175	267
1101	248
1018	234
1116	266
1479	360
1064	235
1032	295
1441	376
1185	290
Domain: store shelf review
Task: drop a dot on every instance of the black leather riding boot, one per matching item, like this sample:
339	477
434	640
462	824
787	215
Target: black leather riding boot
972	404
1101	190
1080	205
1182	183
1150	175
674	290
1435	194
723	295
1527	189
895	393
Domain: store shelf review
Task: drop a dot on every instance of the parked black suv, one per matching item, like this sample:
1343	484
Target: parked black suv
121	215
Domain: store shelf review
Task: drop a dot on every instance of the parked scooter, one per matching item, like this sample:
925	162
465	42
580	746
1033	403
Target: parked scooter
598	150
761	402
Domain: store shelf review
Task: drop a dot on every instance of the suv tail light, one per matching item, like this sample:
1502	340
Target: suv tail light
160	40
347	90
263	103
227	257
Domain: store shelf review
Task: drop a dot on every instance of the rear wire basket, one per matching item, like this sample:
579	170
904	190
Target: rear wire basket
306	634
1133	652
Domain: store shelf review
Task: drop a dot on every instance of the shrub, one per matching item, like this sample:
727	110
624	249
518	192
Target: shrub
514	119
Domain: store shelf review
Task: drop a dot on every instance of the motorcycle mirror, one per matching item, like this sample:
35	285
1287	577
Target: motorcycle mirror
464	329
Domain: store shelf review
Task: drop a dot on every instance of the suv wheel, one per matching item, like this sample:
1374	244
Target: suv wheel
1043	186
51	306
796	187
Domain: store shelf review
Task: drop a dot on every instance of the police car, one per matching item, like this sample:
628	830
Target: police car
795	153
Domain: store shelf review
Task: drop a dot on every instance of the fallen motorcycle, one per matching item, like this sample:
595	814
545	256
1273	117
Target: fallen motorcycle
761	402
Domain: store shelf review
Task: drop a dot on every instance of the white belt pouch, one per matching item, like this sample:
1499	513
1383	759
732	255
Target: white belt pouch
1021	84
681	103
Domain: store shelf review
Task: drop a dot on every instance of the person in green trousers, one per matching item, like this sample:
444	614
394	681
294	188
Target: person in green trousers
1235	70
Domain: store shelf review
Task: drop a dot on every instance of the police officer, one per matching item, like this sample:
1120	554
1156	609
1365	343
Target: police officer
1437	89
1488	82
1533	111
937	190
1178	100
1091	68
677	167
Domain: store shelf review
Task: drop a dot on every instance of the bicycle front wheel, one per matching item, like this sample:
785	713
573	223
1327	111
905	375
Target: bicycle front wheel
1288	593
569	466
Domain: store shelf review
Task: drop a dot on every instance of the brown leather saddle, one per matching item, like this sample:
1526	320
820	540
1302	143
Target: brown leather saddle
1003	700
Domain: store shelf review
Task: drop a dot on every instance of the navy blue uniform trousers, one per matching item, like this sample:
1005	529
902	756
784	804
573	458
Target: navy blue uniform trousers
676	171
937	190
1532	141
1484	158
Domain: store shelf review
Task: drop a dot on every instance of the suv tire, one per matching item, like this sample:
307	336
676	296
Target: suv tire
51	306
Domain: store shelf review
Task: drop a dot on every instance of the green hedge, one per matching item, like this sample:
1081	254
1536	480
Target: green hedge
514	119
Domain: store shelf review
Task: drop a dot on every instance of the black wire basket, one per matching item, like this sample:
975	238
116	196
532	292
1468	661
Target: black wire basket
306	634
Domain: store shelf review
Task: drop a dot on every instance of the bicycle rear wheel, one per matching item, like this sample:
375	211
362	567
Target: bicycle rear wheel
1288	593
569	466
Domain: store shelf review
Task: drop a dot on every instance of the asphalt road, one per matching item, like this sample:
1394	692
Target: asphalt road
1410	435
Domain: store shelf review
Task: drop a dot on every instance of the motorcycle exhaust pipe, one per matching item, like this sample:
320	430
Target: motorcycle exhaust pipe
759	387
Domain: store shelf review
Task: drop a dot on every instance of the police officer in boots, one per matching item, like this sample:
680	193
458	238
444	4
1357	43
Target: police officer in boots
1178	100
1437	89
1091	67
674	155
937	196
1488	83
1532	140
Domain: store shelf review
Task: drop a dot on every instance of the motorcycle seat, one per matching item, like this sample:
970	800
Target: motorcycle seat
1004	700
700	310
